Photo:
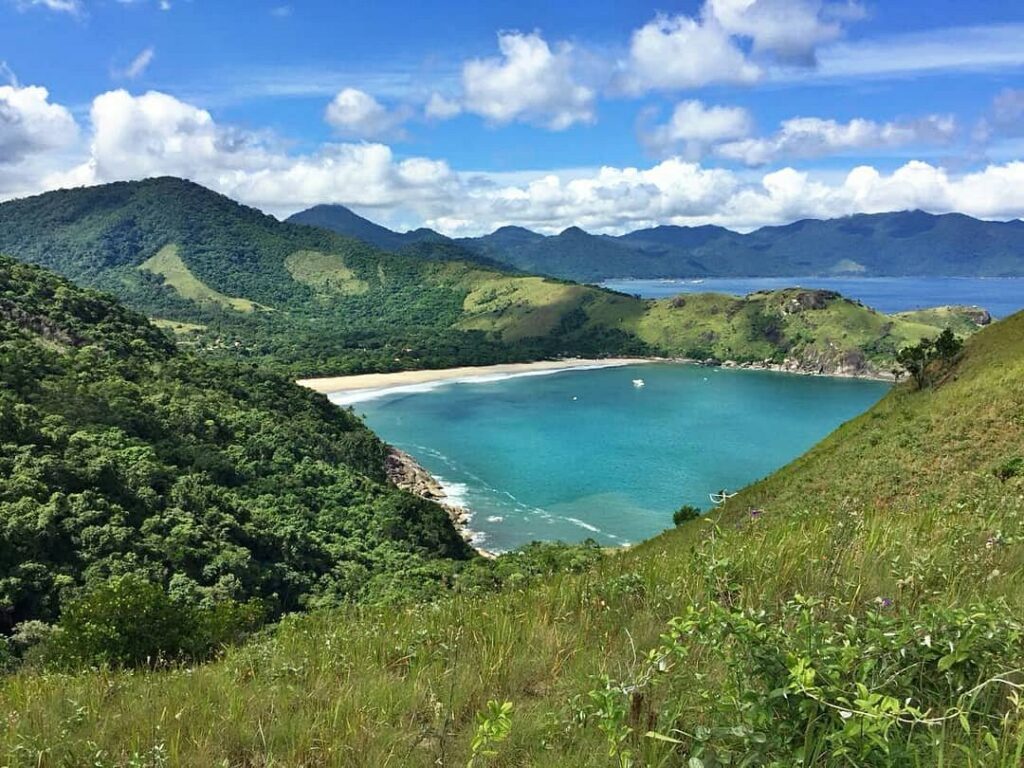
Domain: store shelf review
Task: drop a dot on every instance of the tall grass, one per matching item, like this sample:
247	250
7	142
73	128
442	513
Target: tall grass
903	513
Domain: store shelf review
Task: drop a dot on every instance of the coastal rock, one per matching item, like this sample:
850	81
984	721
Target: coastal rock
409	475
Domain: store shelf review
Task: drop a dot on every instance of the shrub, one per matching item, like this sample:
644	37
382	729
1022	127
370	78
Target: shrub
129	621
685	514
1009	469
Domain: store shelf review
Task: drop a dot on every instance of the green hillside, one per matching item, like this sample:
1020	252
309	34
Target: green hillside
237	284
859	607
121	455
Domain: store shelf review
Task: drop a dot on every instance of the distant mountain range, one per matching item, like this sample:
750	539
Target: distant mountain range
906	243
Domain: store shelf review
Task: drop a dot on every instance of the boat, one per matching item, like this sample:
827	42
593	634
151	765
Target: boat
639	383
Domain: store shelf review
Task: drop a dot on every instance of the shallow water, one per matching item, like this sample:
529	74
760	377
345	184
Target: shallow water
1001	296
582	454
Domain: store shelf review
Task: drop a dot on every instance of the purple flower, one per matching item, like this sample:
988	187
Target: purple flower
756	513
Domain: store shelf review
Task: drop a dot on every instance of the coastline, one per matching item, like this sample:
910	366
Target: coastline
408	474
374	383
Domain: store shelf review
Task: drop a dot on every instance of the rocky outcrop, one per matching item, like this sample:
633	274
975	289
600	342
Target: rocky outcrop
409	475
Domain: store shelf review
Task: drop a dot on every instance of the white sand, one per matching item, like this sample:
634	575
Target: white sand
370	383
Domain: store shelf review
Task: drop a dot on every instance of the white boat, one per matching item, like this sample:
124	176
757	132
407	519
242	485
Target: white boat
638	383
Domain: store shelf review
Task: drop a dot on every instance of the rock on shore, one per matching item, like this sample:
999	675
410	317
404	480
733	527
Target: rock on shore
409	475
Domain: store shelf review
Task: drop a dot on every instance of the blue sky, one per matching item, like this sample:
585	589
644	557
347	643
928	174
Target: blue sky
467	116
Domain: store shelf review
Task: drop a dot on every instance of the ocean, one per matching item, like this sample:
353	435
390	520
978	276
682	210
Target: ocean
1001	296
585	454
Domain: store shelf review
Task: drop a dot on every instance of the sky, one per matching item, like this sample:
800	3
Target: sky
609	115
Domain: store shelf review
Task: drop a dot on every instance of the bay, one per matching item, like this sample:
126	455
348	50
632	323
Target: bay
585	454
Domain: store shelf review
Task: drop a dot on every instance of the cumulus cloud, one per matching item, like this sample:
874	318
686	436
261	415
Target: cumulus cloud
804	137
156	134
135	137
790	30
680	52
683	193
677	52
693	127
530	82
357	114
30	124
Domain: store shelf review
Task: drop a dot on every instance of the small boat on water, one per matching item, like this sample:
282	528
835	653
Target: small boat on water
639	383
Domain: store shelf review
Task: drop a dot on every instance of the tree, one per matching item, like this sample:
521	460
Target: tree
919	361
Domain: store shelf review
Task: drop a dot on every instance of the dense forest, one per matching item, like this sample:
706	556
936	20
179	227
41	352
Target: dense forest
236	284
122	455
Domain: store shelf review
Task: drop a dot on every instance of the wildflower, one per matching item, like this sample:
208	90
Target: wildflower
755	513
883	602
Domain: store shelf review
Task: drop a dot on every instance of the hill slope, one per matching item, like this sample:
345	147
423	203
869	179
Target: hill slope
236	283
860	606
120	454
905	243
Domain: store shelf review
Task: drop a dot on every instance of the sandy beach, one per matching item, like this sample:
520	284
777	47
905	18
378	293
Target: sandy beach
382	381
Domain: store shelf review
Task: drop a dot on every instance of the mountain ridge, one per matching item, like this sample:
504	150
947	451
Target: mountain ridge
909	243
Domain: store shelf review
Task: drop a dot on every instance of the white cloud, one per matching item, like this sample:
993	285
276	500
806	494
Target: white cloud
155	134
530	82
790	30
356	113
679	52
30	124
281	11
678	192
138	66
803	137
694	127
73	7
439	107
994	47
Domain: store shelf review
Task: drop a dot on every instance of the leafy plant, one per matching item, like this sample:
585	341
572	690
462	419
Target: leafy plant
493	726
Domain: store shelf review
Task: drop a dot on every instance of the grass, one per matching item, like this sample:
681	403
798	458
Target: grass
167	263
918	502
326	272
176	327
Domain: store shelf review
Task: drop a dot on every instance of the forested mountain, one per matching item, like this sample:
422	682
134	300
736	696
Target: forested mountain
235	283
906	243
860	606
122	455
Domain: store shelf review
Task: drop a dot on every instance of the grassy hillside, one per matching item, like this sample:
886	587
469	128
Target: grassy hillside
121	455
235	283
859	607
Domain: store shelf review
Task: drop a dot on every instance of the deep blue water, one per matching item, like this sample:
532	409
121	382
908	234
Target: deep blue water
582	454
1001	296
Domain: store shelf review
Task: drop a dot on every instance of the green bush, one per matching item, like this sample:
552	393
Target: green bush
685	514
129	621
1009	469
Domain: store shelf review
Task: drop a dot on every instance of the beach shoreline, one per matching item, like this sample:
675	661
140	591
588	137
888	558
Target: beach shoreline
347	390
376	382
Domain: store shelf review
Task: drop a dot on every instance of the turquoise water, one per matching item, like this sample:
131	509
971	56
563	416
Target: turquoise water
1001	296
584	454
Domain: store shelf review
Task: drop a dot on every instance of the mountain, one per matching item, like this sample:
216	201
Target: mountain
860	606
234	283
906	243
123	454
